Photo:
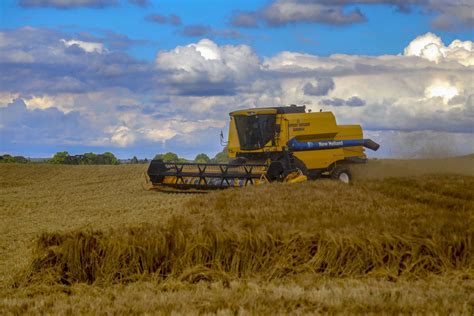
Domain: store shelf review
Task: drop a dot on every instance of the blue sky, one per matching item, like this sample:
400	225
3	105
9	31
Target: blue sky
113	71
387	30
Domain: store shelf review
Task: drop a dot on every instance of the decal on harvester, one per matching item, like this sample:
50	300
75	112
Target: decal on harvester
298	127
334	143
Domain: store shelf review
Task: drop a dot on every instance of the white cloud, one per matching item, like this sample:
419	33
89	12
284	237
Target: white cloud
430	46
207	65
89	47
122	136
427	87
7	98
441	90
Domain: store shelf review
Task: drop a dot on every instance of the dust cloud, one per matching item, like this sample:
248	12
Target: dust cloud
383	168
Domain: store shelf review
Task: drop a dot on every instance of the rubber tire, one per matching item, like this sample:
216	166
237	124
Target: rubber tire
344	172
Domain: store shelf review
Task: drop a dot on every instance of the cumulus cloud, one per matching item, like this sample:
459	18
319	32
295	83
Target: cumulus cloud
53	62
67	4
187	92
430	46
88	47
204	67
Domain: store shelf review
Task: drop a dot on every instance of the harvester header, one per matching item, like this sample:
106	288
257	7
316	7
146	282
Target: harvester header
272	144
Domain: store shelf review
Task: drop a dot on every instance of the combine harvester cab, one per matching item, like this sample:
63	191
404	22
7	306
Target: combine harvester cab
272	144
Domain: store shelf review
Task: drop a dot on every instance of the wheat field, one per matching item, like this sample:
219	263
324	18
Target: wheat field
92	239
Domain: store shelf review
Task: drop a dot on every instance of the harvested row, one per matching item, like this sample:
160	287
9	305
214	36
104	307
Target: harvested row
212	253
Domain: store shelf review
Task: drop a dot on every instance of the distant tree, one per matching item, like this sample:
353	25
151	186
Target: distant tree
60	157
73	160
106	158
109	158
222	157
134	160
168	157
202	158
89	159
20	159
7	159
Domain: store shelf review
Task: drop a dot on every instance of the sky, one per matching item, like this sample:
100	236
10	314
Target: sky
141	77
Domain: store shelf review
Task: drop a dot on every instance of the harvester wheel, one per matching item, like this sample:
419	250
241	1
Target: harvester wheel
342	174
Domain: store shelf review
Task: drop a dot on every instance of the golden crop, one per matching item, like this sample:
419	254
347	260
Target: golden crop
91	239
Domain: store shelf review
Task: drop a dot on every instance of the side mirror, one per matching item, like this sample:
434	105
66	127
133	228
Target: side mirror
223	143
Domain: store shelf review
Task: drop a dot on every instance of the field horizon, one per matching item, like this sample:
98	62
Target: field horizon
92	239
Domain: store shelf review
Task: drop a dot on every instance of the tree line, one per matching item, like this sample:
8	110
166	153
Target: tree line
63	157
13	159
109	158
221	157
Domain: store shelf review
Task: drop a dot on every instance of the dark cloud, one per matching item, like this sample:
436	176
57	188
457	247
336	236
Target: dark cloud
353	102
196	30
453	16
171	19
333	102
199	30
228	33
449	15
244	19
111	39
117	41
174	19
284	12
68	4
323	86
203	88
140	3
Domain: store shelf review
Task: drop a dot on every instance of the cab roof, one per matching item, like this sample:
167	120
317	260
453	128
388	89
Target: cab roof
271	110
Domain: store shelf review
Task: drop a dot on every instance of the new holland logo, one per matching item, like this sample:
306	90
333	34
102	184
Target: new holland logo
331	143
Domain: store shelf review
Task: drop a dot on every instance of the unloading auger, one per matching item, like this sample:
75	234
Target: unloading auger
286	144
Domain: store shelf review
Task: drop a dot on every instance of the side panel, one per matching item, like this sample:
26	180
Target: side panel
351	132
319	159
311	126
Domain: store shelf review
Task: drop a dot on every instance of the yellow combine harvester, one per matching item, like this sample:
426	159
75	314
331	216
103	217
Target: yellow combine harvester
272	144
